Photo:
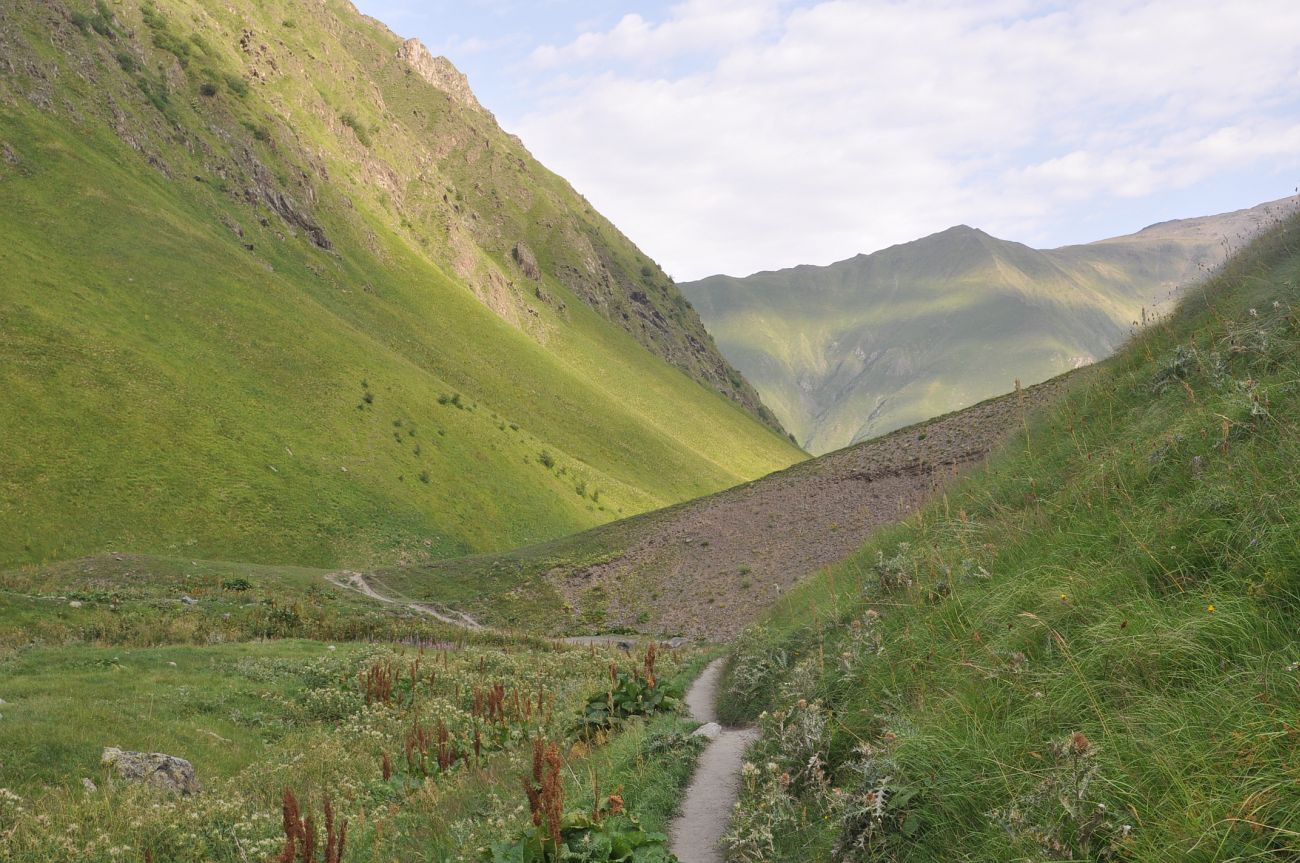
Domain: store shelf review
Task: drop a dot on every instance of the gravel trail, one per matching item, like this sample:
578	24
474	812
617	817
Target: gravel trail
706	812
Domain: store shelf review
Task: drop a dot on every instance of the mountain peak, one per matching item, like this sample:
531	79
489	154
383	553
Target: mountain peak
960	231
440	72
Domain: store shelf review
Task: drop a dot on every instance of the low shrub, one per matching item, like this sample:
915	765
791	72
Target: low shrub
631	693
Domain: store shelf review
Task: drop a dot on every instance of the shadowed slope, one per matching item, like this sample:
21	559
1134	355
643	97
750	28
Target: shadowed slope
852	350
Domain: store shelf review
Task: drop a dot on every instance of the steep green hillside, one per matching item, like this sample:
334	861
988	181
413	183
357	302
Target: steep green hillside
274	287
852	350
1086	651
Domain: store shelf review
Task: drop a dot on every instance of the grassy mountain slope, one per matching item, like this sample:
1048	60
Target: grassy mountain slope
1086	651
866	345
270	291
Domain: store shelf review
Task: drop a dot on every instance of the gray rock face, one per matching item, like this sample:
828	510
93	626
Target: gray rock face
164	772
527	261
439	72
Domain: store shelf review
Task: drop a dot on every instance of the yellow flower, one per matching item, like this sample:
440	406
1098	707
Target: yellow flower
1210	608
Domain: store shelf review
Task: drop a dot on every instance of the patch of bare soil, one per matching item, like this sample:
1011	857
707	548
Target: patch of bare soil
709	567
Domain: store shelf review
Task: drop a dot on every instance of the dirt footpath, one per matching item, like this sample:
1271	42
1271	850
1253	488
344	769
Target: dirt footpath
706	812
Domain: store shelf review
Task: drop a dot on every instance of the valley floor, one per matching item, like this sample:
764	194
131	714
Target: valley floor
706	568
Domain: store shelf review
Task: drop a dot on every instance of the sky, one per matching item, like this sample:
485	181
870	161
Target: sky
732	136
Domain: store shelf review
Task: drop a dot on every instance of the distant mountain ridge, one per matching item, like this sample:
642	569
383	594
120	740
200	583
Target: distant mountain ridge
849	351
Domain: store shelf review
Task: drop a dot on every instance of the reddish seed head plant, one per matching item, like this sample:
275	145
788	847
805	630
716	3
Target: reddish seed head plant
650	654
300	834
545	789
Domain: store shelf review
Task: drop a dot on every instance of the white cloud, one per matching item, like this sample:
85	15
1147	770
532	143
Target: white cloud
813	132
692	26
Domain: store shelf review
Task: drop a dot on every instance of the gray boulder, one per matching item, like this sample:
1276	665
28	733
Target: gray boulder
164	772
709	731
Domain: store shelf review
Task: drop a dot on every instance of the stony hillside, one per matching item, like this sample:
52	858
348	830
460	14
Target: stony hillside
852	350
275	287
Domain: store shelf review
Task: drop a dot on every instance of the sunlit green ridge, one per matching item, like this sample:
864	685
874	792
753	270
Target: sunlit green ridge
274	287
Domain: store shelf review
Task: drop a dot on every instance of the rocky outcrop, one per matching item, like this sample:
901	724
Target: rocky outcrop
439	72
285	207
164	772
527	261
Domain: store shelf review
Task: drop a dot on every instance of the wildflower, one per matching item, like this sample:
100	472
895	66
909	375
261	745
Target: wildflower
1210	608
1064	598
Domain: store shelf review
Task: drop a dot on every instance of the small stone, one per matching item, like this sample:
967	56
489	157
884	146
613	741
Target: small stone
164	772
709	731
90	787
76	603
172	664
189	600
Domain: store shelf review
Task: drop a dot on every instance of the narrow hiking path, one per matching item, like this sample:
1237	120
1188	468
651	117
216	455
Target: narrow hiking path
696	833
356	581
